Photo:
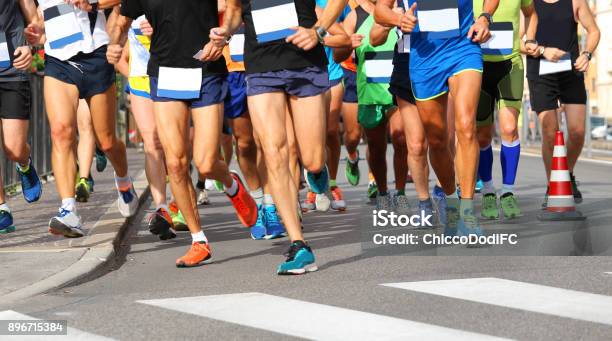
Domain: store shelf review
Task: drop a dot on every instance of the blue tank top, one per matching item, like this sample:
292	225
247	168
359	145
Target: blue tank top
333	69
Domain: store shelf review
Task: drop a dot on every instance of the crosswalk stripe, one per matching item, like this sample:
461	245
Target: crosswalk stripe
308	320
519	295
73	333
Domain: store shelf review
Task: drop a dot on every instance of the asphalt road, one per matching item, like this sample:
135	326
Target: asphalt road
142	296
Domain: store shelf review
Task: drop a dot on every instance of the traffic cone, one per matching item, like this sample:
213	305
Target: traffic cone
560	197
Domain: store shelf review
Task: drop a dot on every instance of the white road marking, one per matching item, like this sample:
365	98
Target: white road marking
519	295
73	333
308	320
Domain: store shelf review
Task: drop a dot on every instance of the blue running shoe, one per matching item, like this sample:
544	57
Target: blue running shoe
30	183
468	224
439	198
91	183
6	222
452	215
274	228
258	231
318	183
300	260
479	186
426	209
101	160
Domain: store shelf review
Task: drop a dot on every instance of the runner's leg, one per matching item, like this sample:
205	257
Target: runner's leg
87	141
417	147
400	150
575	114
550	125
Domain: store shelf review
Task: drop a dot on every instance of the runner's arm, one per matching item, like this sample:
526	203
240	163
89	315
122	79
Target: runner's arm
123	65
585	17
330	14
379	34
384	14
348	24
30	12
529	30
232	18
337	37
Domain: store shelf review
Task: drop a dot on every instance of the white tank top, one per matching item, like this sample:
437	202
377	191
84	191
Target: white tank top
139	49
68	30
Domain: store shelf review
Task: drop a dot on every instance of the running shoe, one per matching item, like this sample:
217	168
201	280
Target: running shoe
82	190
337	202
243	202
198	254
274	227
128	200
209	185
300	260
426	209
322	202
575	190
30	183
489	209
177	218
310	202
100	160
372	190
479	186
545	202
6	222
468	224
258	231
91	183
66	224
318	183
203	197
439	197
351	171
452	216
401	204
160	224
509	206
384	202
218	186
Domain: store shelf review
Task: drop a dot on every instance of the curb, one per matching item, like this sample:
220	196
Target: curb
112	226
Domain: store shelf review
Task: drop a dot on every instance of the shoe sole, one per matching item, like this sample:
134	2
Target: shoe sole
338	208
57	228
253	220
302	271
180	227
275	236
208	260
490	217
203	203
8	229
82	194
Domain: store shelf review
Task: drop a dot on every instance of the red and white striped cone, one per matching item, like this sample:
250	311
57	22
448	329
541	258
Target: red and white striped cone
560	204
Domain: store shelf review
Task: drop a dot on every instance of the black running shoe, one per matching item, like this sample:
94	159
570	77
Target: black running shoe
575	190
161	224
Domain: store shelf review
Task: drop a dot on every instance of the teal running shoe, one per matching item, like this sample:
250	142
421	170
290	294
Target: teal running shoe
258	231
300	260
318	183
274	227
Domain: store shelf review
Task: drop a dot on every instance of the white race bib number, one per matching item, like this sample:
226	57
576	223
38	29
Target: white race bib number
273	19
179	83
501	41
438	19
548	67
61	26
236	46
378	66
5	57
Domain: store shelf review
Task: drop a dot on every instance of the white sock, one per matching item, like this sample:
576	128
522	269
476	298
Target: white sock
199	237
69	204
233	189
488	187
4	207
123	182
267	200
258	196
507	188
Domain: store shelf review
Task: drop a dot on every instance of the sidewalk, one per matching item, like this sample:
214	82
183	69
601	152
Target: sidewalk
34	261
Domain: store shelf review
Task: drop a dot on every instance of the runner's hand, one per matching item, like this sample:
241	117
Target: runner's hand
356	40
479	31
146	28
218	36
553	54
23	58
409	20
113	53
582	63
532	49
211	52
33	34
304	38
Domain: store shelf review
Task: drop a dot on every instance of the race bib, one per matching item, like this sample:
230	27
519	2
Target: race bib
438	19
501	41
378	66
564	64
179	83
403	42
61	26
273	19
236	46
5	57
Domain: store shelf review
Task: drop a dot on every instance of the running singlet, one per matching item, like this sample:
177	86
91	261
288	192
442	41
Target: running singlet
139	49
234	52
333	69
265	48
504	42
11	37
70	30
374	64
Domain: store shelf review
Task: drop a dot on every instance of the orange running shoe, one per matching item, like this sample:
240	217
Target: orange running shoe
310	202
243	202
173	208
198	254
337	202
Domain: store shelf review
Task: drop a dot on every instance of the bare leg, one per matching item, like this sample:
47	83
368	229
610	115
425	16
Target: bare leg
87	140
550	125
417	147
400	150
333	130
575	115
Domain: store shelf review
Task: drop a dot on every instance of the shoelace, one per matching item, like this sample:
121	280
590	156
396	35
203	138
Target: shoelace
271	215
336	194
293	250
63	212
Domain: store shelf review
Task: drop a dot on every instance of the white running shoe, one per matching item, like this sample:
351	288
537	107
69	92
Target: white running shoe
209	185
203	197
128	201
322	202
66	224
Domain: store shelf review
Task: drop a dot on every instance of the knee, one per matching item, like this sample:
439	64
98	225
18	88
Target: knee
398	138
417	147
63	135
438	142
151	143
246	146
465	129
484	140
576	134
333	133
508	130
176	166
205	165
276	155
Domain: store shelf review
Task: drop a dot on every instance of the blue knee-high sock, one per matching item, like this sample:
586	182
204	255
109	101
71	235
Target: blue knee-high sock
510	154
485	166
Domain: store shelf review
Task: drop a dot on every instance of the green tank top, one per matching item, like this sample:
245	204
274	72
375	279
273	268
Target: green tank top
374	66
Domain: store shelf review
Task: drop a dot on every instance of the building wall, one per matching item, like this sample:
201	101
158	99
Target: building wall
603	59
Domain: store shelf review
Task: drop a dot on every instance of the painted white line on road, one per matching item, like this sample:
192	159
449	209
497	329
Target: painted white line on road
519	295
608	273
73	333
308	320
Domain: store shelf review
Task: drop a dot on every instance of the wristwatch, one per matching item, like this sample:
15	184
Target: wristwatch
531	41
321	33
588	54
486	16
542	49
